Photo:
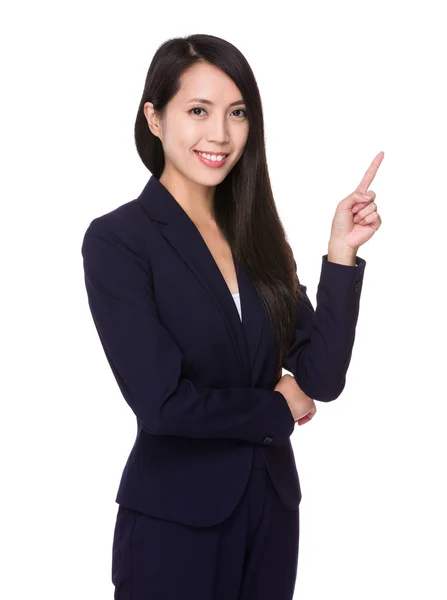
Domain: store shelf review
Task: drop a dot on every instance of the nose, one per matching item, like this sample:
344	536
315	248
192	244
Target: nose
218	132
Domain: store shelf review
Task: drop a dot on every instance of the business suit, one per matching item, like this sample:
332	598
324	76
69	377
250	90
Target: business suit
198	378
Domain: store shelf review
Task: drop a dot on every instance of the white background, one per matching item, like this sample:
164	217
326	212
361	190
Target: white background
340	81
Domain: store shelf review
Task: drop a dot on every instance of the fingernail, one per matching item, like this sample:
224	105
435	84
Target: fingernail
362	196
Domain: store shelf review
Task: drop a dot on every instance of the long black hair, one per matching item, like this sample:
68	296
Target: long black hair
244	207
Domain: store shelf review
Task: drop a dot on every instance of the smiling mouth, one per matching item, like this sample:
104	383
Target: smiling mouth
212	162
224	154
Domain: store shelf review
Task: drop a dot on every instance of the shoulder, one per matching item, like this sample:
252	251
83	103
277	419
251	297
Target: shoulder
126	227
119	220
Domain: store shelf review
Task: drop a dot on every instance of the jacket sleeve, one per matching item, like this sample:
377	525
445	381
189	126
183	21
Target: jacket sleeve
147	362
321	350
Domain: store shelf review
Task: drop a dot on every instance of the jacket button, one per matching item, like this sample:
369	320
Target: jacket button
267	440
358	285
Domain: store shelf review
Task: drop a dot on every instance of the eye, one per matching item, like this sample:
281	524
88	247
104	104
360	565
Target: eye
196	108
241	109
200	108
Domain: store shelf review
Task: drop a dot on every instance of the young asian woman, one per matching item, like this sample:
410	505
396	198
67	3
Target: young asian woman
195	296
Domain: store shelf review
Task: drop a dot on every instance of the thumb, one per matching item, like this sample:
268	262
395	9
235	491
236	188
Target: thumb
354	198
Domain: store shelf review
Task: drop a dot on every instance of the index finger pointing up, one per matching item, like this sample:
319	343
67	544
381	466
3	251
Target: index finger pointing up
370	174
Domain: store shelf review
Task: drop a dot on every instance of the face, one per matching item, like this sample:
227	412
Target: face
218	126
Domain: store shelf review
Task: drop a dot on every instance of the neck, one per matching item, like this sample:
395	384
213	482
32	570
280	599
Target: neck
197	200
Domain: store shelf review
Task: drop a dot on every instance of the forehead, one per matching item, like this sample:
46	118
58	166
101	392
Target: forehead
203	80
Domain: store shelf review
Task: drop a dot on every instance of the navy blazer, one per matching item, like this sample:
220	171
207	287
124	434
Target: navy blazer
199	380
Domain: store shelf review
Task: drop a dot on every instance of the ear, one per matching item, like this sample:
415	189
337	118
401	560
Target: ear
152	119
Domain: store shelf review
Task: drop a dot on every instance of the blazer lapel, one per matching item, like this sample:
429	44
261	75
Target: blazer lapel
181	232
254	315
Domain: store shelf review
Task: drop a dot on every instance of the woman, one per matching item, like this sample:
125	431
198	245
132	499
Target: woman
194	293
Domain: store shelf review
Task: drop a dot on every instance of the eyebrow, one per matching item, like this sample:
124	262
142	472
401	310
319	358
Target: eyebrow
205	101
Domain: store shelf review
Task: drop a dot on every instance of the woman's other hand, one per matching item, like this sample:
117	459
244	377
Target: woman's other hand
301	406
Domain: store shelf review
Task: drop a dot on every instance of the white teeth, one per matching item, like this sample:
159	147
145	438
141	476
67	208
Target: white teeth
214	157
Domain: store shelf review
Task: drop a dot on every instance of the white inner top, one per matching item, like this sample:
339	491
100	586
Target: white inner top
237	300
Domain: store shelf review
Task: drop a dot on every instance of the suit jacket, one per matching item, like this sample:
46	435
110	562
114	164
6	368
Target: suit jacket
199	380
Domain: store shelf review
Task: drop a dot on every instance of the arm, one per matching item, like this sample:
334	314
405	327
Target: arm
147	362
320	352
